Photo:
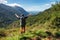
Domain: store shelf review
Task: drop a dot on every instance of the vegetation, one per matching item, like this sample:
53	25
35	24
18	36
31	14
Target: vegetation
45	25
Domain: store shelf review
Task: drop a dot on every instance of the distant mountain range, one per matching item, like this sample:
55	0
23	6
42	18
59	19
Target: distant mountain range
34	12
7	14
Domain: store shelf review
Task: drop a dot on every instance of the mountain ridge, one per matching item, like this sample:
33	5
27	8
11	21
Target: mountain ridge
8	14
46	18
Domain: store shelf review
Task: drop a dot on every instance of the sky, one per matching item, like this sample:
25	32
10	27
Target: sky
30	5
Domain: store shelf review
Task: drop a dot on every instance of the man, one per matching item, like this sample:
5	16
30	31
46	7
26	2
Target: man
22	22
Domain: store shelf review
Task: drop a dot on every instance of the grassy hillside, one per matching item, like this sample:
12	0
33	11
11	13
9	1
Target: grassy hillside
37	26
48	17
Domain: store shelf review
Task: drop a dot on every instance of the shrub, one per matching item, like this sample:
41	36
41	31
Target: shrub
26	36
57	34
41	33
2	33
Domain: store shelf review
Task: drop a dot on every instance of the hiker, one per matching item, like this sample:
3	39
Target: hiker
22	22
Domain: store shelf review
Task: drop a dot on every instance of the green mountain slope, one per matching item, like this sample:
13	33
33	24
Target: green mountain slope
47	18
7	14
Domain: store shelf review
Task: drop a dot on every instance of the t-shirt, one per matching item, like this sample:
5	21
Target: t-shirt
23	20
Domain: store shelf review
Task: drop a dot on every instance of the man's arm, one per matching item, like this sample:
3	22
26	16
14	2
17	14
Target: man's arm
28	15
17	16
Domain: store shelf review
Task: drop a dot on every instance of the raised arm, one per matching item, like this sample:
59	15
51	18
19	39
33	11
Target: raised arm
17	16
28	15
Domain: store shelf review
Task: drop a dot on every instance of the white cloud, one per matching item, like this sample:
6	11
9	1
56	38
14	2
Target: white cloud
3	1
14	4
53	2
38	8
32	8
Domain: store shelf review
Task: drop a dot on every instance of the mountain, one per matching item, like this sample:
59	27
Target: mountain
21	10
43	26
33	12
47	16
50	18
7	14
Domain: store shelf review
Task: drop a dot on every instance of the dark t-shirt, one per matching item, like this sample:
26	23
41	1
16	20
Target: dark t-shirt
23	21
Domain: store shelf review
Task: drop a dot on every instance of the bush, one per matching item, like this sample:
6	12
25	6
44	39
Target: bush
41	33
2	33
26	36
57	34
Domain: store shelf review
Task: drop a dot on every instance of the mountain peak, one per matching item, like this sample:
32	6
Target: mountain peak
2	4
13	5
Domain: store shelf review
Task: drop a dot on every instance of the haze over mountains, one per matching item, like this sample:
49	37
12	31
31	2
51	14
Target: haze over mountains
7	14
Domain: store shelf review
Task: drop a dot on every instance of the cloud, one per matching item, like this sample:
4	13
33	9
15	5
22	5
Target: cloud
14	4
11	4
46	6
38	8
3	1
32	8
53	2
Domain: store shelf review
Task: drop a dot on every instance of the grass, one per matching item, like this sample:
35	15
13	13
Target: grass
14	34
44	25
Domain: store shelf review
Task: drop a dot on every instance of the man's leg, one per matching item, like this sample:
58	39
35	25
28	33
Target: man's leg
23	30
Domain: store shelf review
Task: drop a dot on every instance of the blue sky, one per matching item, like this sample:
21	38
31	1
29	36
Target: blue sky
31	5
